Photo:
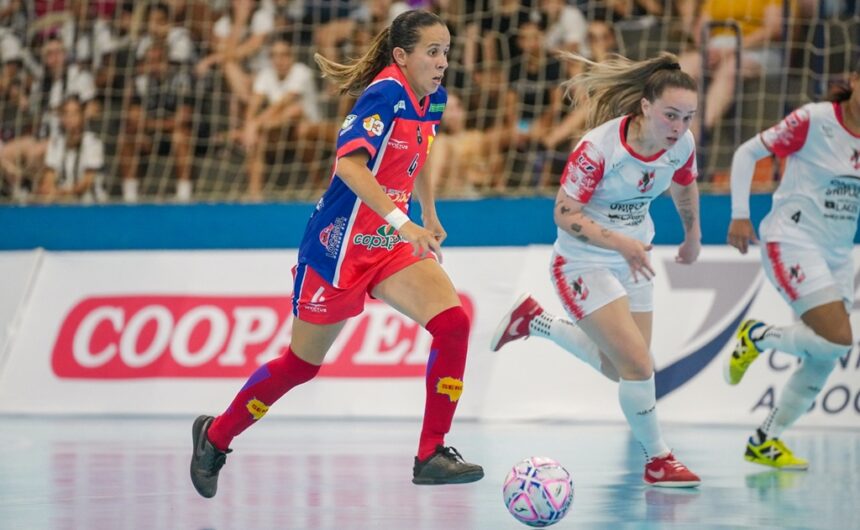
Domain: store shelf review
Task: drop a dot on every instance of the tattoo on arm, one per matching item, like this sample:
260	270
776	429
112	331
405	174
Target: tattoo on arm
582	238
565	210
576	227
605	232
687	217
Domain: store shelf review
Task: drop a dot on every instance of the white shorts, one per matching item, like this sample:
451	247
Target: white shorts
805	279
586	287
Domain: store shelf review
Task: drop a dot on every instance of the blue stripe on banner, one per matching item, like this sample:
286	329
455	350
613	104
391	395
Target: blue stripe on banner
485	222
676	374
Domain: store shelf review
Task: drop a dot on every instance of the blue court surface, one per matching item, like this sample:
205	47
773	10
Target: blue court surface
116	473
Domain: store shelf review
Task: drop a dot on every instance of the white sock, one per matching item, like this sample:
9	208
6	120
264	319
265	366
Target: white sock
183	190
566	334
803	386
798	340
639	403
129	190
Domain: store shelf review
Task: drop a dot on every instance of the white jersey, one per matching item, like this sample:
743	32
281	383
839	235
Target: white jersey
817	203
617	185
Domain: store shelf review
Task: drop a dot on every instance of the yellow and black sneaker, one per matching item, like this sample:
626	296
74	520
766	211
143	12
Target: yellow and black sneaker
774	453
744	354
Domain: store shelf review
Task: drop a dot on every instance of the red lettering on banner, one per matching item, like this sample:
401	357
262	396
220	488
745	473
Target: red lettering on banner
133	337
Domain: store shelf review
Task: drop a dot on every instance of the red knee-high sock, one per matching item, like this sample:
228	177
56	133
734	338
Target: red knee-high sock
450	330
263	388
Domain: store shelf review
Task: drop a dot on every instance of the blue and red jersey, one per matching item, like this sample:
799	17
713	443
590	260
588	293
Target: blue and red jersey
344	237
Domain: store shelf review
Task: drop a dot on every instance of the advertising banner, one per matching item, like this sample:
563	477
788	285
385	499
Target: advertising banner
179	332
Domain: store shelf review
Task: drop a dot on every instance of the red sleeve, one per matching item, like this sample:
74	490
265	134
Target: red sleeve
688	173
789	135
583	172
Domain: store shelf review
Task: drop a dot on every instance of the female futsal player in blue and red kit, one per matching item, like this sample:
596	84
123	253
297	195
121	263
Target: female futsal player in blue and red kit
359	240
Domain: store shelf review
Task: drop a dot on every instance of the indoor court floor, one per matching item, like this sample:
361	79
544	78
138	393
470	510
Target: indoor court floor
121	473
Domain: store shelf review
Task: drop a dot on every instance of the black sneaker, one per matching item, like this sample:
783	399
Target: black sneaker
206	459
445	466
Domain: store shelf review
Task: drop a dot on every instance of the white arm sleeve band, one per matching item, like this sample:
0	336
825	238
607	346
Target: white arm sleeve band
743	166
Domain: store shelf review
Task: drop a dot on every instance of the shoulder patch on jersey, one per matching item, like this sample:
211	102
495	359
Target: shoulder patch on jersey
373	125
437	107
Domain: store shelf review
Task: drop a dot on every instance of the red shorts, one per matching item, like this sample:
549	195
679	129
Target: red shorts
319	302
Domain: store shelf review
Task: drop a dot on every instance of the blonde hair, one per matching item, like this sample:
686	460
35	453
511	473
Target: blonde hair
404	32
616	86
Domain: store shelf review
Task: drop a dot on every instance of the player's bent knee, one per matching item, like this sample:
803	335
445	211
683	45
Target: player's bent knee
825	349
453	322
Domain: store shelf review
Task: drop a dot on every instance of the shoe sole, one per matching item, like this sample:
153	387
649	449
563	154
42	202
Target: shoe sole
465	478
793	467
506	321
687	484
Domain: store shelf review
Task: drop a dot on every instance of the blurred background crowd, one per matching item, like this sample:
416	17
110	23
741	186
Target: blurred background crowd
188	100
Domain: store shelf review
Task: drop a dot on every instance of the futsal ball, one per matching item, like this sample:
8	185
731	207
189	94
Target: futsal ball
538	491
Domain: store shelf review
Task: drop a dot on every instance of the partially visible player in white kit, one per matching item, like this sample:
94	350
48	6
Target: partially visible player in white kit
640	146
807	240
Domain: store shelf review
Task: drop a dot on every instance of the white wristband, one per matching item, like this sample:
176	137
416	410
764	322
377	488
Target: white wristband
397	218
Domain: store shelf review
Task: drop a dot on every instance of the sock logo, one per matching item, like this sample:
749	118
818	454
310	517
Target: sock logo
450	387
257	408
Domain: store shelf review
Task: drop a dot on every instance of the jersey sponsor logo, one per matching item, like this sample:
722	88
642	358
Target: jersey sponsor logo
373	125
646	182
430	142
397	196
855	159
331	237
629	213
448	386
786	133
385	237
437	107
400	145
584	169
400	105
188	337
418	137
257	408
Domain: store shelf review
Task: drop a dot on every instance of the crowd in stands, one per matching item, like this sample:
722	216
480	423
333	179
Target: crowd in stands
114	100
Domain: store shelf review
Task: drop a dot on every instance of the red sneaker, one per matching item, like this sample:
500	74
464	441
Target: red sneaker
515	324
666	472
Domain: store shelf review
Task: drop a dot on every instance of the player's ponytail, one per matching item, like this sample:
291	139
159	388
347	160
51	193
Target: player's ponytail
615	87
404	32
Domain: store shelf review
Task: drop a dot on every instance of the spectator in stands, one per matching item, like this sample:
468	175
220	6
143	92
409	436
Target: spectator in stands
458	161
238	37
601	44
58	81
74	160
160	27
283	106
532	101
158	120
761	29
499	24
566	27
